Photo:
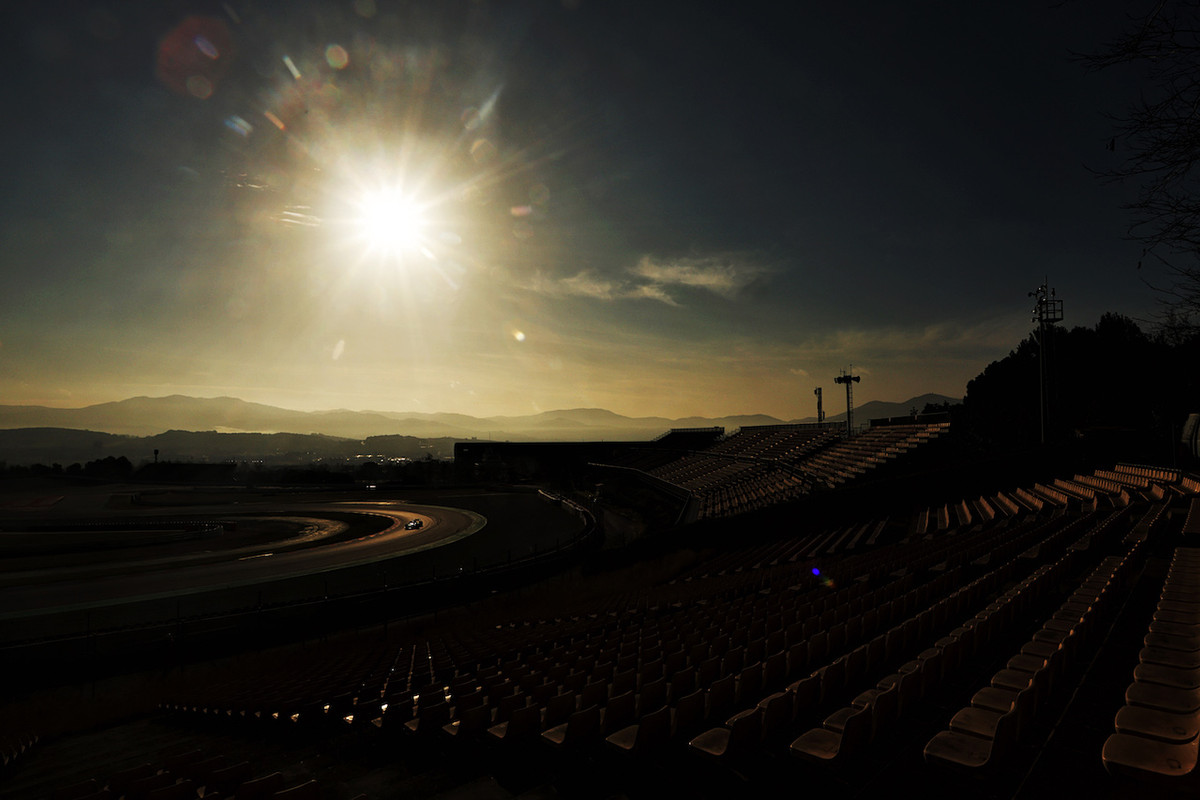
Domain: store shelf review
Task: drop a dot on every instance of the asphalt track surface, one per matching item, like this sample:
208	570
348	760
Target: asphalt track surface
319	546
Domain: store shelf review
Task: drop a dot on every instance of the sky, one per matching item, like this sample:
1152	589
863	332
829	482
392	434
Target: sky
490	208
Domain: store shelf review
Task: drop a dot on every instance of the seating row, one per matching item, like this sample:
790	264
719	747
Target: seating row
846	733
14	746
981	734
1158	729
187	774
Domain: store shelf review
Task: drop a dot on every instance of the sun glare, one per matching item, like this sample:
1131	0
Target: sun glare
390	223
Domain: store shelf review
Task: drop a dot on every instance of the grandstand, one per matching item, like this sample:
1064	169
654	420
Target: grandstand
760	466
1008	644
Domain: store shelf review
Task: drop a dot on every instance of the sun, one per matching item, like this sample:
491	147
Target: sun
389	222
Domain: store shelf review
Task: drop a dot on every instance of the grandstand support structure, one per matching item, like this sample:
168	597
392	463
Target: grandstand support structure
849	380
1047	310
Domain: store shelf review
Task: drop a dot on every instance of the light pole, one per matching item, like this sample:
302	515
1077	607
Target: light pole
1047	310
820	411
849	379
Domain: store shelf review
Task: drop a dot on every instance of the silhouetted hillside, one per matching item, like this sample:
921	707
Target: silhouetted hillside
1111	387
64	446
876	409
150	416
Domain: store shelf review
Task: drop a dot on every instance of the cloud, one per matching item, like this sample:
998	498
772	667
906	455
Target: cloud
945	339
582	284
653	292
722	274
587	284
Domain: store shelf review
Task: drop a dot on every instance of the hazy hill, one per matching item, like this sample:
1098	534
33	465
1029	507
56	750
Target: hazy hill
876	409
65	446
151	416
56	445
729	423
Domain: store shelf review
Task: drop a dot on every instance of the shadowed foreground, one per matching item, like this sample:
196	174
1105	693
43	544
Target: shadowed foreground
989	647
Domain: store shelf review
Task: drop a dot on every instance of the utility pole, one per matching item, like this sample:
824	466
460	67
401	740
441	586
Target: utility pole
1047	310
849	379
820	412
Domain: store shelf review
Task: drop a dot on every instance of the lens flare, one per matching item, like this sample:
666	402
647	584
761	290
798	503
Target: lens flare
336	56
389	222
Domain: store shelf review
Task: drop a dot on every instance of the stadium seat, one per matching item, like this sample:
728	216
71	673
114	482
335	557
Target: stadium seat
524	723
688	715
1180	659
983	722
227	780
648	735
580	728
1143	758
721	697
430	718
971	751
309	790
471	722
618	712
558	709
741	732
1154	723
1165	698
828	746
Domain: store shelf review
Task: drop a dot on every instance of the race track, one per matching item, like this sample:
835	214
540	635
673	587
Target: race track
319	545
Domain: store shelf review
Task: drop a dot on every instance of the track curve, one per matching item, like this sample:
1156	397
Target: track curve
315	550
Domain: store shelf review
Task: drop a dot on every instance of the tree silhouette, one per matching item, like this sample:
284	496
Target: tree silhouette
1160	131
1110	380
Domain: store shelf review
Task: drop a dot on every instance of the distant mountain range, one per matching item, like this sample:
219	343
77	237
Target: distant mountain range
225	428
66	446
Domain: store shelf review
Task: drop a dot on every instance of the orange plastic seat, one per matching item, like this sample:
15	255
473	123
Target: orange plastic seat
303	791
721	697
228	780
994	699
1170	641
777	711
806	694
832	747
618	712
558	709
523	724
1164	675
471	722
983	722
580	728
647	735
1180	659
1154	723
1142	758
973	752
740	733
1167	698
689	713
430	718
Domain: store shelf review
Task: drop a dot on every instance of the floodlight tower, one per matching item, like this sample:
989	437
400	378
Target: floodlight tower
820	412
1047	310
849	380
